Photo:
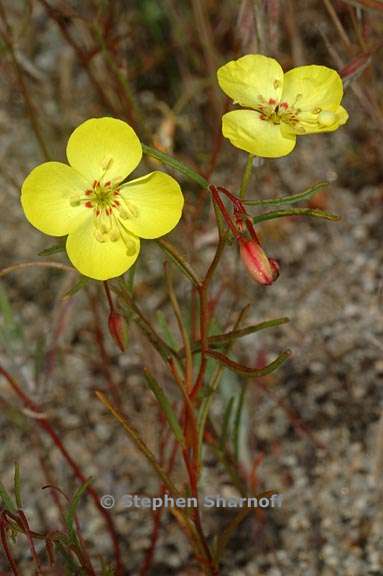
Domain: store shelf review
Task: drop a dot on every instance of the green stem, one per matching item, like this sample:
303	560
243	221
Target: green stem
179	260
246	176
176	164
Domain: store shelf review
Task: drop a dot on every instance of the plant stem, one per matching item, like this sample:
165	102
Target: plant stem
182	329
45	425
176	164
246	176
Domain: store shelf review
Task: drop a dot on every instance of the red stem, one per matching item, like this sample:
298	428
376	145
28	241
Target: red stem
45	425
7	551
109	296
224	212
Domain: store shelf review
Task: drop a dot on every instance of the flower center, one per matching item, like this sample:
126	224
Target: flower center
110	209
276	112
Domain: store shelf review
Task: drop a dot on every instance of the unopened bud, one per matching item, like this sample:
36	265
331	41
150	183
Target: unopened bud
263	269
118	330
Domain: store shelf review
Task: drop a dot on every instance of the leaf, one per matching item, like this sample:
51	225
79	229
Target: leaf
313	212
70	516
6	499
55	249
228	532
219	340
17	486
292	199
251	372
165	407
79	285
176	164
237	422
12	328
179	261
226	421
165	329
139	443
67	560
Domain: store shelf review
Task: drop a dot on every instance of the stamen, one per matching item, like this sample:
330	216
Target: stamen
110	208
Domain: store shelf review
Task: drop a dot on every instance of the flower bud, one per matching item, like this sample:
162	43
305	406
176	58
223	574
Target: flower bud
263	269
117	329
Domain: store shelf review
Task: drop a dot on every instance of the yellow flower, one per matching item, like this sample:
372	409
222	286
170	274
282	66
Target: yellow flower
103	216
302	101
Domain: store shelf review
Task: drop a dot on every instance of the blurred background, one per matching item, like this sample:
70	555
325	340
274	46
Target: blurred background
311	431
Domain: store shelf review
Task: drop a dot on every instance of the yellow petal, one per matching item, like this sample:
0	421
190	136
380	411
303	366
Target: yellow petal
100	260
246	130
104	148
312	87
157	203
46	198
251	77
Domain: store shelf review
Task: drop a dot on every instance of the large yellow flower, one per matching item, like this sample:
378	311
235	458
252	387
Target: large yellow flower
302	101
87	200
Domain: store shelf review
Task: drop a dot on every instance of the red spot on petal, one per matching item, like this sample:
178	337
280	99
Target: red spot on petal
108	183
272	101
98	212
283	105
95	183
88	192
89	204
116	203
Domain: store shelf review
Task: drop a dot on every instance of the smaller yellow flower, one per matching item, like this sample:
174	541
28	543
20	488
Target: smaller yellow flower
103	217
302	101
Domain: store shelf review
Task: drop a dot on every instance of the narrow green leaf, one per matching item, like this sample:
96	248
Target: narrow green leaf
251	372
83	281
70	516
55	249
6	309
292	199
11	329
226	422
140	444
6	499
219	340
176	164
237	422
313	212
165	329
179	260
228	532
159	344
67	560
17	486
166	407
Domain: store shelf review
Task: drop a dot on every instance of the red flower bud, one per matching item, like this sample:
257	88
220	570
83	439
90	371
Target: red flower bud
117	329
263	269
